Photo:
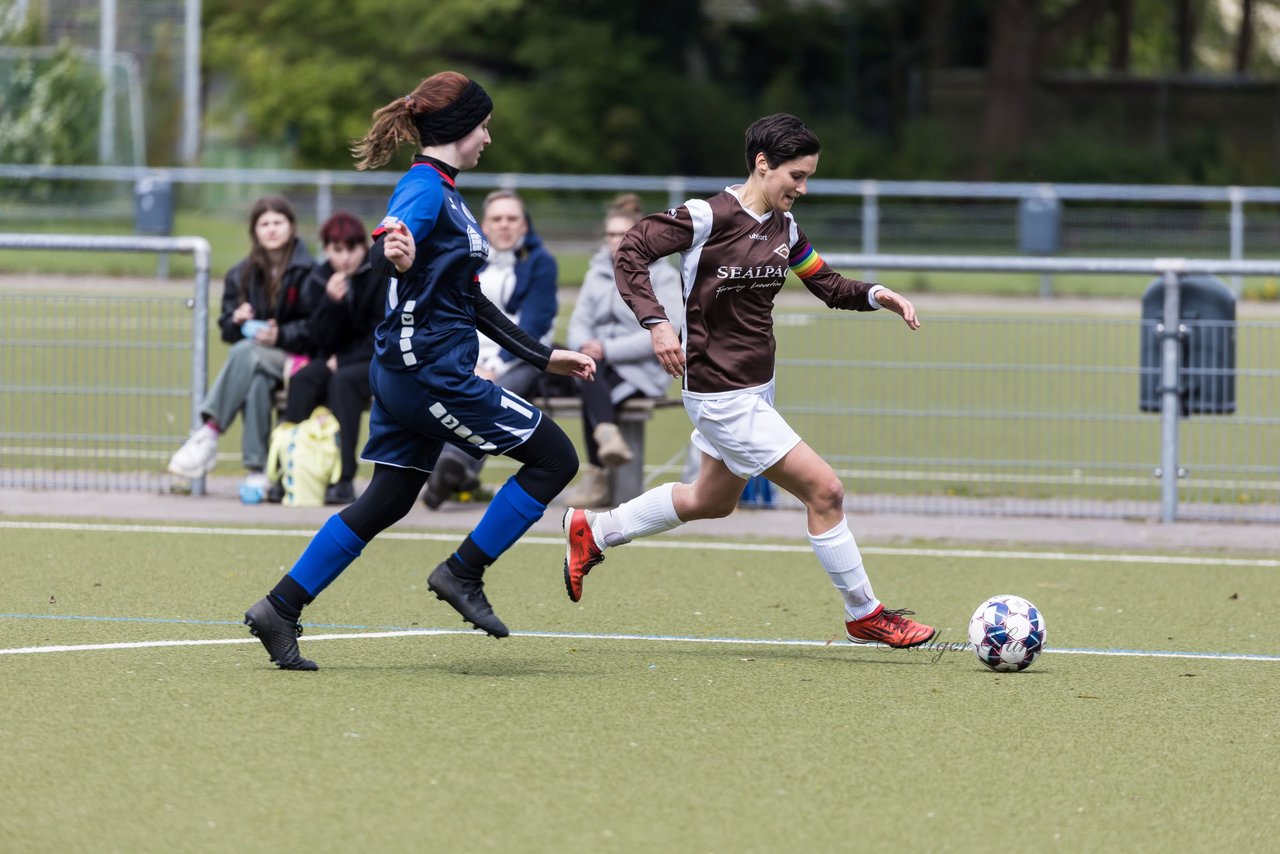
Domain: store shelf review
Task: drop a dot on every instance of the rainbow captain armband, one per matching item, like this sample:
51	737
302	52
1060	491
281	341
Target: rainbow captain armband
389	223
805	261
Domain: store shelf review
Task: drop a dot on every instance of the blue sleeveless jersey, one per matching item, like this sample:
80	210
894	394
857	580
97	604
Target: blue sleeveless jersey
431	317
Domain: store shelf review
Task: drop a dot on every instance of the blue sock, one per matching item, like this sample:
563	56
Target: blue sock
332	550
511	512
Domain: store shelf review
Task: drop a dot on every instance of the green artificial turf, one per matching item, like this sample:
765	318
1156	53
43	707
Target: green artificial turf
552	743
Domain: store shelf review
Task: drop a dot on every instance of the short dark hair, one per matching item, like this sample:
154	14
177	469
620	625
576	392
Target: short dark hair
343	229
780	137
498	195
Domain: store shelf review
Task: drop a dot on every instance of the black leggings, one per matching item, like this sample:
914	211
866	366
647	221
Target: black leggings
549	459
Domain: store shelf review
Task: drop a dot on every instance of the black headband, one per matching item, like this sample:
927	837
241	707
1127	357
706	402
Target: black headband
456	119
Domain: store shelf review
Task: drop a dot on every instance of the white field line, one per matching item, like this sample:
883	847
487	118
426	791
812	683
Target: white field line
935	649
671	543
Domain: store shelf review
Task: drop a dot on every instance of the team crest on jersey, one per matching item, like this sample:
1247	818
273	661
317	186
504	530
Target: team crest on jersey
783	251
460	206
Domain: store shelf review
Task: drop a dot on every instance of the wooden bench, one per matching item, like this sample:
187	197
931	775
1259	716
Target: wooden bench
626	481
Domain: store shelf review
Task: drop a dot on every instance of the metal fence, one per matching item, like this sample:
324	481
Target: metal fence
97	389
1044	415
983	414
871	216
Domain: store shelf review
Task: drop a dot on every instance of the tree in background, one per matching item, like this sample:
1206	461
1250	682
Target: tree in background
49	104
930	88
163	97
579	85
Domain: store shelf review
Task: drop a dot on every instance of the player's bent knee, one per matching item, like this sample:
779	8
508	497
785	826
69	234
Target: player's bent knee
550	462
571	469
562	460
829	495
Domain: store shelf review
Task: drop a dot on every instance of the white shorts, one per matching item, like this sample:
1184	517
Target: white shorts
744	431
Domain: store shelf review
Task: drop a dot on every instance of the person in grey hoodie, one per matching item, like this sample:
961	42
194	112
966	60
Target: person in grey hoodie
604	328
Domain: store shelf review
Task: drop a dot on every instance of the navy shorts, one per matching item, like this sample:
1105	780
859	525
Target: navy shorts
415	413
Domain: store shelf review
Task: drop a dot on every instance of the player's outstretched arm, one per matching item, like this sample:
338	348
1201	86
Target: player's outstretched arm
571	363
898	304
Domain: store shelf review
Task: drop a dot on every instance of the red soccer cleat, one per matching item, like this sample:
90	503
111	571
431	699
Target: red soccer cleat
891	628
580	553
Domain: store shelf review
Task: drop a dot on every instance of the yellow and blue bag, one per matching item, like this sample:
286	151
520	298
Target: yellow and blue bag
305	458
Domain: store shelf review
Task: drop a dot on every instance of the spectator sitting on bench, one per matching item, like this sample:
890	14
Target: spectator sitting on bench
604	328
264	320
519	278
348	301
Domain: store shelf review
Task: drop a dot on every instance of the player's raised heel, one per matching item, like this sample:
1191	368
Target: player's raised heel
279	635
467	598
892	628
580	551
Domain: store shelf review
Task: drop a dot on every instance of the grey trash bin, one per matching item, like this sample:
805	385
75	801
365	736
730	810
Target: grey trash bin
153	206
1207	344
1039	225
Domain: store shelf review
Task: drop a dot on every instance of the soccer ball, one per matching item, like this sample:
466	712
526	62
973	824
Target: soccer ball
1007	633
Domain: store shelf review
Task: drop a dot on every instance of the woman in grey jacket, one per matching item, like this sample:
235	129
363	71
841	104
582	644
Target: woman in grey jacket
604	328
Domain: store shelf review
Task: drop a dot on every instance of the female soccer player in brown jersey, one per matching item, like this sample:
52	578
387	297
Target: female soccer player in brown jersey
735	249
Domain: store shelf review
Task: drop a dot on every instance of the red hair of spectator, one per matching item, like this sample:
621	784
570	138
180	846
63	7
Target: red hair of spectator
343	229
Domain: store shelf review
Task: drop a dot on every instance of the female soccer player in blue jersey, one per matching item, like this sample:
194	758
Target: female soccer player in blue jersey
425	390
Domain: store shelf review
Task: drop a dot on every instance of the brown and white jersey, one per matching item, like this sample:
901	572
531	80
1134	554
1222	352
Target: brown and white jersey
732	265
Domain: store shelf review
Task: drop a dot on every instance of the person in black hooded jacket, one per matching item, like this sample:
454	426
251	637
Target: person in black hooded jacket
348	301
265	320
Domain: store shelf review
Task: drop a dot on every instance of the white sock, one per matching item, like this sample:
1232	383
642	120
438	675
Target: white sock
643	516
838	553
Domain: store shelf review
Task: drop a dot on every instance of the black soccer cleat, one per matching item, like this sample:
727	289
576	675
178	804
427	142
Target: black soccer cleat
467	598
279	635
450	475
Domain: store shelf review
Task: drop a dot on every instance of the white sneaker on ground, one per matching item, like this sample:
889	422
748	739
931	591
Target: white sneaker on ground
197	456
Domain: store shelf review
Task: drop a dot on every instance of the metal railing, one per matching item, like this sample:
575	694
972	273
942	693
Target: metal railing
87	379
869	195
1169	330
981	414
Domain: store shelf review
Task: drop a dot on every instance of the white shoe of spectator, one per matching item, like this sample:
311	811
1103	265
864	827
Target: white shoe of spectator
613	449
197	456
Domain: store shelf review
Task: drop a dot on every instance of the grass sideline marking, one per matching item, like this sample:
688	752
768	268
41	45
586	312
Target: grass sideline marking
398	633
669	543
